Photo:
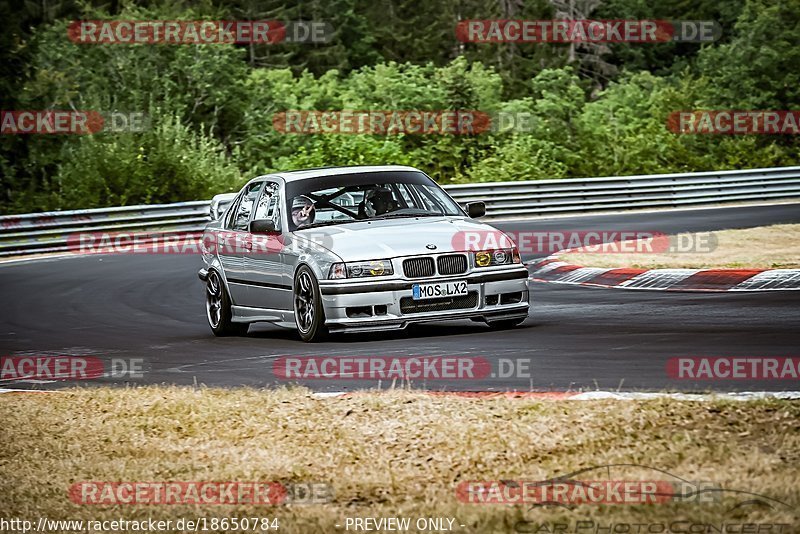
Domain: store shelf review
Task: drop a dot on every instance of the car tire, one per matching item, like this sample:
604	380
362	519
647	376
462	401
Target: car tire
505	324
218	309
309	314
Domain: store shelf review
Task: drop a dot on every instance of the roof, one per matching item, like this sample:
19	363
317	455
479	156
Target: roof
304	174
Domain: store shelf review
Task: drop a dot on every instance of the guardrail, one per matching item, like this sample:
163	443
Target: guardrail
53	231
59	231
576	195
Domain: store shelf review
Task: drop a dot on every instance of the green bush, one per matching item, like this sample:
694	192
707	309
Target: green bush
169	163
523	158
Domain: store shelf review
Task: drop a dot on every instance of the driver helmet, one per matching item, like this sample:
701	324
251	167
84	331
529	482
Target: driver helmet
378	201
303	211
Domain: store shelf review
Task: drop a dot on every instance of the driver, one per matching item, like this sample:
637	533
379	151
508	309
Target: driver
379	201
303	211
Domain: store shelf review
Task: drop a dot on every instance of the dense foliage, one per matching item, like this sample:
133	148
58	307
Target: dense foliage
210	107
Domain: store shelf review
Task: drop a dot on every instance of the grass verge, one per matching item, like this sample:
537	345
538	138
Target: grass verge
766	247
398	454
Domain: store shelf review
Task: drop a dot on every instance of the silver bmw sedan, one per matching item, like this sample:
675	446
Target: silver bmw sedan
356	249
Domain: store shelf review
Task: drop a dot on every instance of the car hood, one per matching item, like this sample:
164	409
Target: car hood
371	240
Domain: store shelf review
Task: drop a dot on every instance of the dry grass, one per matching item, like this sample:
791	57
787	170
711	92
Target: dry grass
387	455
776	247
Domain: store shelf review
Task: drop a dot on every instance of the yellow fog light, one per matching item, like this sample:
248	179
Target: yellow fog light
482	259
377	268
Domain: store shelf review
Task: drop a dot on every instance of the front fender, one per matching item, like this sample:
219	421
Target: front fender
313	254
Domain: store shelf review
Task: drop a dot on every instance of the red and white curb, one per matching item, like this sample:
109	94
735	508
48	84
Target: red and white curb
552	269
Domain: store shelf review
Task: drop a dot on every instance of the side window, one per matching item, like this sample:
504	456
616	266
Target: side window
229	216
275	210
266	202
245	207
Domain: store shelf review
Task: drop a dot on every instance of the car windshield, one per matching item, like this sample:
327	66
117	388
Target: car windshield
367	196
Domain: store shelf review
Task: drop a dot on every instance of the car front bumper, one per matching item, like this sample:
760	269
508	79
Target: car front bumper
388	305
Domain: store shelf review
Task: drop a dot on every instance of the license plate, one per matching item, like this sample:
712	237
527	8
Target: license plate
439	290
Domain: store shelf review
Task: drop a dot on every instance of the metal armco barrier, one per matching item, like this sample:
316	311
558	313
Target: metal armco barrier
577	195
59	231
55	231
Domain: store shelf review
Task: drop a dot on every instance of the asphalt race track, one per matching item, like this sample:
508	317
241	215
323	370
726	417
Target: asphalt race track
152	307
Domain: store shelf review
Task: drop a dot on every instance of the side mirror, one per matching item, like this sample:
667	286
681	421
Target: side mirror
263	226
476	209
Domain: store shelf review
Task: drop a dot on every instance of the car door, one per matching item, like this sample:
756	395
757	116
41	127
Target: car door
234	238
264	254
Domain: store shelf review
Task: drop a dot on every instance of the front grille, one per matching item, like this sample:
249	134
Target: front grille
418	267
452	264
409	305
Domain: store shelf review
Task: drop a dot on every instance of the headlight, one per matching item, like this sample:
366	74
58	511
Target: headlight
488	258
361	269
